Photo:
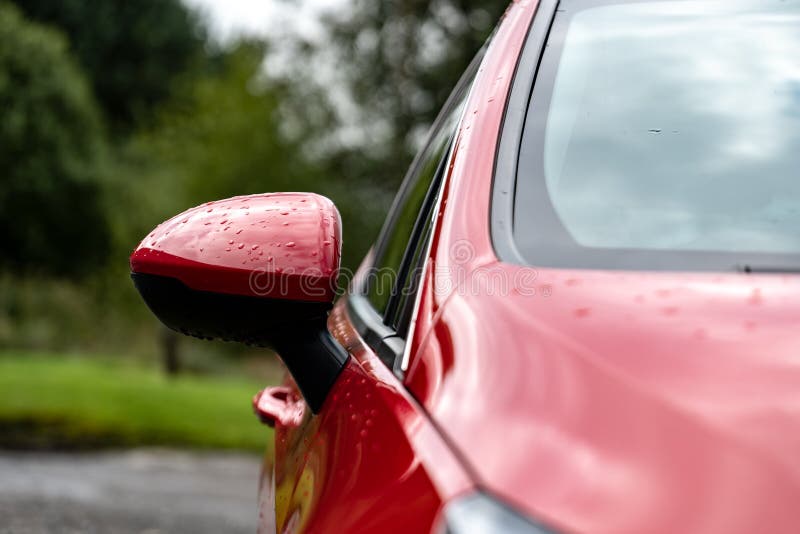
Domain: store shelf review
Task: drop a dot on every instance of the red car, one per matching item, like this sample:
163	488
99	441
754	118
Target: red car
581	313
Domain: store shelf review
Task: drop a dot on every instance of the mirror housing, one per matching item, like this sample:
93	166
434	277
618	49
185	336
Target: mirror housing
258	269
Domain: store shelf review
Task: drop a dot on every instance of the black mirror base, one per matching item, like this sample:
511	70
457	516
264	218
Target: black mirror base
297	331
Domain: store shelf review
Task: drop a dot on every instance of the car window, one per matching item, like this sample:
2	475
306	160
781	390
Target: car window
664	134
415	201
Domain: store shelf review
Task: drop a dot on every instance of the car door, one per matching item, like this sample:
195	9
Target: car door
371	460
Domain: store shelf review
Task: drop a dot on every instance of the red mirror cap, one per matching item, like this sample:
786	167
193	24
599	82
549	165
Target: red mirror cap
272	245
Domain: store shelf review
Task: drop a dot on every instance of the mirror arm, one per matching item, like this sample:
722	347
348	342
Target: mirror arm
313	357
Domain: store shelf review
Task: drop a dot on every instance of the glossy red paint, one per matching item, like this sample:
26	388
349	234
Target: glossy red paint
275	245
604	402
371	462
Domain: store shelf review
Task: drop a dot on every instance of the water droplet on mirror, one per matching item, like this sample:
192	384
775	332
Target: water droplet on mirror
241	246
290	244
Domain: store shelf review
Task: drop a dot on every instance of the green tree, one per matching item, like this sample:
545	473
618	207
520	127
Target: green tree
132	51
232	135
51	144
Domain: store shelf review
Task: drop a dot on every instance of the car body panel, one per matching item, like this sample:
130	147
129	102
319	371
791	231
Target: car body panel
371	461
634	402
601	401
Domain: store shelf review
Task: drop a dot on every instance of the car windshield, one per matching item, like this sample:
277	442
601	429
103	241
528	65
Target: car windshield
664	134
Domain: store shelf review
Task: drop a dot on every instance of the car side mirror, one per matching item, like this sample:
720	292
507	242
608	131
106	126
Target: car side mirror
258	269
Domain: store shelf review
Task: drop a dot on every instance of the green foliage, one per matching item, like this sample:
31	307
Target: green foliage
49	401
51	148
132	51
230	136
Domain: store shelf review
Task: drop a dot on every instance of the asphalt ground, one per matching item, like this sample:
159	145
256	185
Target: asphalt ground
140	491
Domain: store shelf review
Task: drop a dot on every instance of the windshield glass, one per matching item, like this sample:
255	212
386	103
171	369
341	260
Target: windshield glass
664	134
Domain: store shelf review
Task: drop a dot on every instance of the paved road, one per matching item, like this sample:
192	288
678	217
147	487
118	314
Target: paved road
141	491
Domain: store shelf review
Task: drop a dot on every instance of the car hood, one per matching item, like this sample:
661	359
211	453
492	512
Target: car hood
624	402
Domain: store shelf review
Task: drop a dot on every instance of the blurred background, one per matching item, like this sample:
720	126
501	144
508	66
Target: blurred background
116	115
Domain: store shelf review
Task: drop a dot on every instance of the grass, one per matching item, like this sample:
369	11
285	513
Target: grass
70	402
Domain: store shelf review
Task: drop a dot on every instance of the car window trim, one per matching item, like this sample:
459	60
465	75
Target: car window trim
390	347
501	218
393	309
463	85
